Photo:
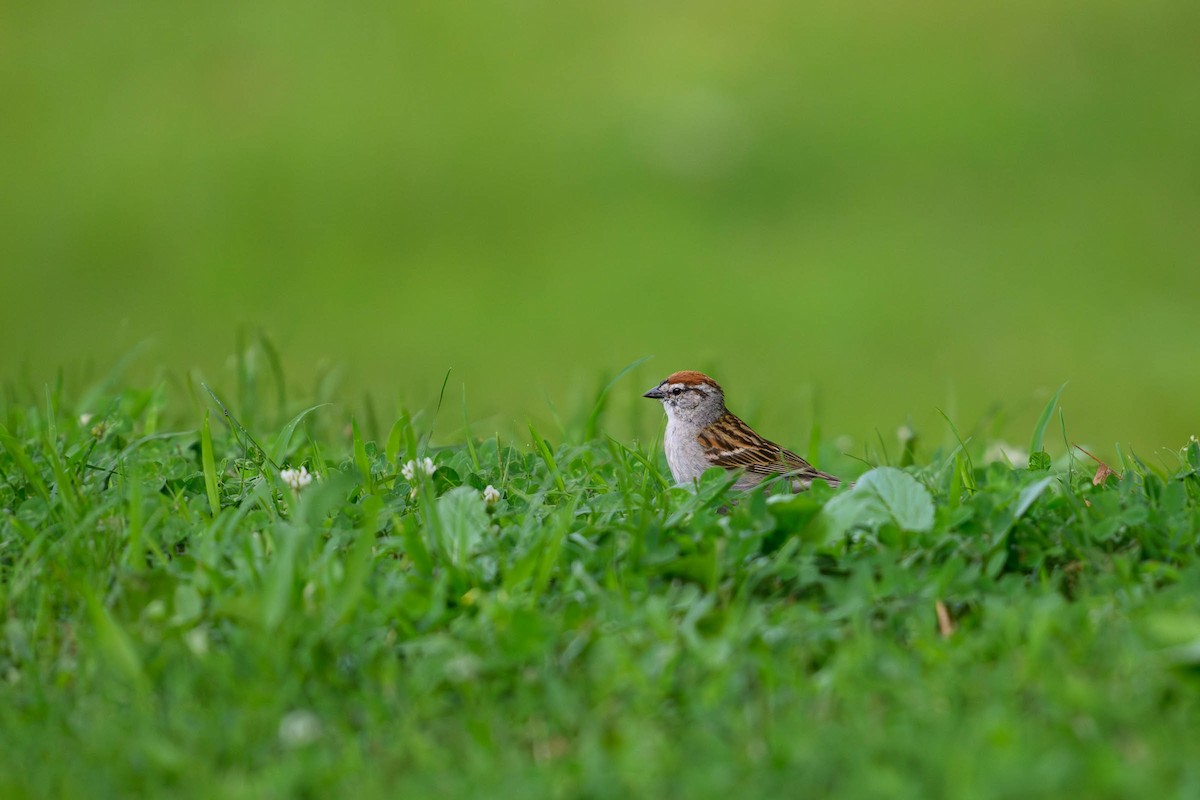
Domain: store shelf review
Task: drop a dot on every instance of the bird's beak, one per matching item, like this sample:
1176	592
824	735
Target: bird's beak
656	393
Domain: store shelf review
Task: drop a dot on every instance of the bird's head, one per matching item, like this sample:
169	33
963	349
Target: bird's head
690	396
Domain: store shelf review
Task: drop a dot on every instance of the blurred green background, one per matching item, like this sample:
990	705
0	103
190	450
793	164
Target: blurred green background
876	209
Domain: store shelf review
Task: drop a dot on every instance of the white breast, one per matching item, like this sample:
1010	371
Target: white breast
685	457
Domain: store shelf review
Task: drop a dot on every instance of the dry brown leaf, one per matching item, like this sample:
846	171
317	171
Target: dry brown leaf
1102	473
1102	470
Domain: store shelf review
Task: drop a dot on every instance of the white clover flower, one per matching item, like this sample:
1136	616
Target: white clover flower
410	468
299	728
297	478
491	495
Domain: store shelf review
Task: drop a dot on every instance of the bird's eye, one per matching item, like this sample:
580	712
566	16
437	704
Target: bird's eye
677	390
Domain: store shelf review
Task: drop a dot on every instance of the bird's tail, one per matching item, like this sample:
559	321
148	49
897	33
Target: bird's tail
801	480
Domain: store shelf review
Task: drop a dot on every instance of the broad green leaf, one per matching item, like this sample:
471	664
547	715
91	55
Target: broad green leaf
464	520
1029	494
907	502
885	494
1039	461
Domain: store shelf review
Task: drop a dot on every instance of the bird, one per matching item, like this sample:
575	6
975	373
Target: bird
702	433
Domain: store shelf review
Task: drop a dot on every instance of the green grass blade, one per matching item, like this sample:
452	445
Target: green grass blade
279	449
99	393
467	432
134	556
239	428
543	449
550	547
68	493
358	561
593	420
318	460
360	457
24	463
414	546
438	408
51	416
275	364
247	377
115	645
962	443
276	598
650	466
395	438
963	462
210	467
1039	430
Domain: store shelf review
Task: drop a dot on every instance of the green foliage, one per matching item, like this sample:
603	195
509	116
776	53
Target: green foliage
885	495
181	622
209	465
1039	459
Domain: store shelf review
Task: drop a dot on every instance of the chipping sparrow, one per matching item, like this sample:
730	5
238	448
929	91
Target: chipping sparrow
701	433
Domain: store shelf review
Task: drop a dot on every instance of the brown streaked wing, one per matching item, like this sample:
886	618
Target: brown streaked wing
732	444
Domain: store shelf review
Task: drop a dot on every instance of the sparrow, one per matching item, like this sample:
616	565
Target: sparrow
702	433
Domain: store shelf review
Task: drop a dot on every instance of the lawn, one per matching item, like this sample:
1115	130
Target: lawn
181	621
891	232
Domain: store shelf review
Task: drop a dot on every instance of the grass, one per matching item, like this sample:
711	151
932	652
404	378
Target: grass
179	622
